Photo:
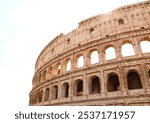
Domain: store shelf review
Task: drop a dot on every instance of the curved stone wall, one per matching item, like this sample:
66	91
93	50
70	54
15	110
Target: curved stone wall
121	80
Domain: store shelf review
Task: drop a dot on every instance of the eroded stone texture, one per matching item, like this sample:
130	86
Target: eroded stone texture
123	80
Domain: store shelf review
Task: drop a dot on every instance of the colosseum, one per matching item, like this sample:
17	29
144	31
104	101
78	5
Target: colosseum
103	62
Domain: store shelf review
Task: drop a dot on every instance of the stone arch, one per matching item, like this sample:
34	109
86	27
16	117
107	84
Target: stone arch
78	88
110	52
55	92
44	75
94	56
46	98
40	78
68	64
127	45
94	85
65	90
40	96
80	61
113	83
33	99
145	46
58	68
49	72
133	80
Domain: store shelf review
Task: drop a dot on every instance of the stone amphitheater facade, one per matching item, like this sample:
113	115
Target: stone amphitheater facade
121	80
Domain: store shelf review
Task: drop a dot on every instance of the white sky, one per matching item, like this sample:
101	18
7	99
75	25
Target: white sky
26	27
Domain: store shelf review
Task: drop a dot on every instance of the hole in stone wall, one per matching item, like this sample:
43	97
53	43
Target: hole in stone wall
149	73
40	78
80	62
145	46
46	94
120	21
55	92
91	30
106	36
79	45
40	96
142	28
110	53
95	85
69	65
65	90
94	57
68	41
44	75
113	83
134	81
79	88
127	50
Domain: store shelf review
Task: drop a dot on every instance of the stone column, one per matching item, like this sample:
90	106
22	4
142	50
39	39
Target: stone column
101	57
72	62
70	88
61	67
59	91
122	80
85	85
137	47
118	53
144	78
103	84
87	60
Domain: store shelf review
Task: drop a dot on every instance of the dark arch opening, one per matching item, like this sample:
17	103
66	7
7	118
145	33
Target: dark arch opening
149	73
134	81
55	92
79	88
95	85
65	90
40	96
46	94
113	83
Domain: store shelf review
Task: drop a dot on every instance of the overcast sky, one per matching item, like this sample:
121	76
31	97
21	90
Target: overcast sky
26	27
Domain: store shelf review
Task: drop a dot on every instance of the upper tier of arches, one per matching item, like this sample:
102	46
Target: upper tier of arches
93	56
101	27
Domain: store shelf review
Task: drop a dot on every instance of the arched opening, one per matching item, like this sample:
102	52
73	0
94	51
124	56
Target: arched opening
110	53
121	21
65	90
55	92
44	75
46	98
78	88
80	62
127	50
145	46
94	57
134	81
68	65
95	85
58	69
40	78
113	82
33	99
40	96
49	72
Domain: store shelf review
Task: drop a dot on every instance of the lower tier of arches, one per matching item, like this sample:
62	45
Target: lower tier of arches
113	80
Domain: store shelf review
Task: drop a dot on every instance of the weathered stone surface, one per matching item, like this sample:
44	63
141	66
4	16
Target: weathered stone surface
119	81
